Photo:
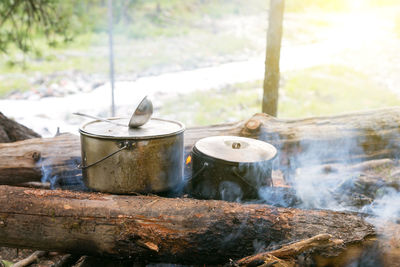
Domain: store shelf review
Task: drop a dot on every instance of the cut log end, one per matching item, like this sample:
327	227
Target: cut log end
253	125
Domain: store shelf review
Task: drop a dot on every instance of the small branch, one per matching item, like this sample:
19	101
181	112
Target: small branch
291	250
318	241
10	12
31	259
37	185
272	261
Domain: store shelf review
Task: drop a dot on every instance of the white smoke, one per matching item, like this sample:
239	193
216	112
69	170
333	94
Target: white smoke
317	189
385	207
340	186
70	179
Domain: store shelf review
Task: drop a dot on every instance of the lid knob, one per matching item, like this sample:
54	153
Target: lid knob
236	145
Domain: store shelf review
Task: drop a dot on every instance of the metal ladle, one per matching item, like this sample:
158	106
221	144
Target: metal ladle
100	119
142	113
140	116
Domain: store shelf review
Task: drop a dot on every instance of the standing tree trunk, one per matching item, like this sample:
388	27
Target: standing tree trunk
274	38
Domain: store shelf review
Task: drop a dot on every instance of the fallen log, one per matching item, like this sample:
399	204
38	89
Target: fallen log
349	138
160	229
11	131
344	138
31	160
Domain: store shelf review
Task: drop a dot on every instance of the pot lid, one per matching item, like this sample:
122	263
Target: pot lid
236	149
154	128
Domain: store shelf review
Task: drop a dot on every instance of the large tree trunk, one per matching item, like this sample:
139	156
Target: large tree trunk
160	229
347	139
11	131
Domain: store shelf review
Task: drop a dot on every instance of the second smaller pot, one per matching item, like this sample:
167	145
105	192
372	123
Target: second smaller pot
230	168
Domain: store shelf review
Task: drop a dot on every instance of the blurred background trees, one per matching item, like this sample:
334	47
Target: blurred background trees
25	23
337	56
24	20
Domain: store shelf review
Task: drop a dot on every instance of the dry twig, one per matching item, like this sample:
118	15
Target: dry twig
31	259
290	251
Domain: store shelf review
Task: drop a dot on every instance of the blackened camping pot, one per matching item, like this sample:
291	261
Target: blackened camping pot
123	160
230	168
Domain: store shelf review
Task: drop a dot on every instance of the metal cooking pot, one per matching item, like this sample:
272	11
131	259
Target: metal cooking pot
123	160
230	168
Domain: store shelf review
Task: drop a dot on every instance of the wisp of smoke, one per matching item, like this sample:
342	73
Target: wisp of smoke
47	177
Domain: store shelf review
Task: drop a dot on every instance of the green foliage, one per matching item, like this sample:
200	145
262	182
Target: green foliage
328	90
22	19
23	22
88	54
317	91
230	103
35	26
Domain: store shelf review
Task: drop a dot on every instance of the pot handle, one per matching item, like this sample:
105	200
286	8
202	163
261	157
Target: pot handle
236	172
122	145
197	173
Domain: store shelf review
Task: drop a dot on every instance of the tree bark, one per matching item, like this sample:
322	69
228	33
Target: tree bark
272	75
345	139
160	229
11	131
